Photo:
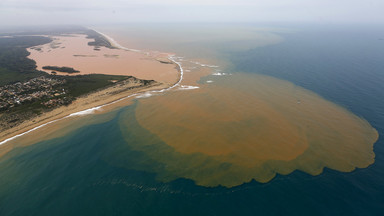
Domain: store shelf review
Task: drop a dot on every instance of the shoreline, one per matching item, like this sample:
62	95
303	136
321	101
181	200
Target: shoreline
79	52
73	110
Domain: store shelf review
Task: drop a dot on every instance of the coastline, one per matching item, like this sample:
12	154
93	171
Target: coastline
87	104
76	52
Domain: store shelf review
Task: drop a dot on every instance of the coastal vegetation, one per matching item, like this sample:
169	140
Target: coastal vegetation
27	92
14	64
99	40
24	100
61	69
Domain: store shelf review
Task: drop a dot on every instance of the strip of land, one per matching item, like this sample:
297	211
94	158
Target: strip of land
163	74
95	99
74	52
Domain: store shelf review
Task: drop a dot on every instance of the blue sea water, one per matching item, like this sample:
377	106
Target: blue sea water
92	171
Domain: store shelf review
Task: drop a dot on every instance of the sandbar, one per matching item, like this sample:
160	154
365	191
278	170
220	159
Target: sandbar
74	51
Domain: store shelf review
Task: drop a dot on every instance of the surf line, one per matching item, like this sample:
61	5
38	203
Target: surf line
172	58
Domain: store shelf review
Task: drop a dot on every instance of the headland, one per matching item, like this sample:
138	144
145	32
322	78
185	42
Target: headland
121	73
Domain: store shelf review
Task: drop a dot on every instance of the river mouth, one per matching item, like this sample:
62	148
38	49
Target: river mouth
256	127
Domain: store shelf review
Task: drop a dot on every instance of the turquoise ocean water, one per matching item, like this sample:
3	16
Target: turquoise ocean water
96	171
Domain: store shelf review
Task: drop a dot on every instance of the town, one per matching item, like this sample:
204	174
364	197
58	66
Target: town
44	89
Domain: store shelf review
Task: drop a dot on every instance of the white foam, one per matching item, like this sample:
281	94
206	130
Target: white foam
144	95
186	87
209	81
204	65
86	112
33	129
219	74
172	58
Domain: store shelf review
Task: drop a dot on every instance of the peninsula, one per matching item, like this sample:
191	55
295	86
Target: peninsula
89	71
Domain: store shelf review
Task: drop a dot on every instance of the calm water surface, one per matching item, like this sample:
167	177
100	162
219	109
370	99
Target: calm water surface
126	165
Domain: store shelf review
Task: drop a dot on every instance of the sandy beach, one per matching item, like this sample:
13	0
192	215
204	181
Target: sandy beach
107	61
82	106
